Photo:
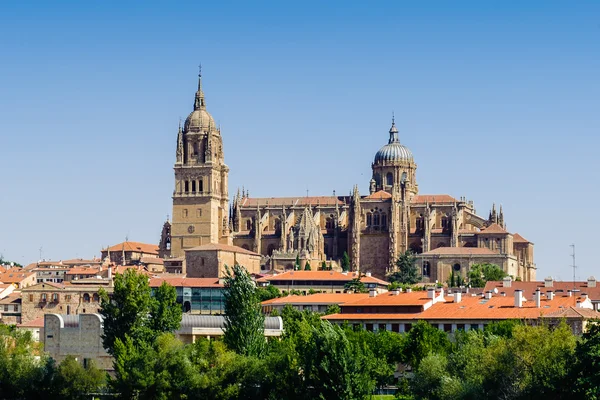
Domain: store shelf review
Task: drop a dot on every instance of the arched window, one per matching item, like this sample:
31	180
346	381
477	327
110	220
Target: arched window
201	185
376	219
96	298
377	178
187	186
369	219
389	179
248	224
194	186
383	220
329	223
86	298
55	297
426	268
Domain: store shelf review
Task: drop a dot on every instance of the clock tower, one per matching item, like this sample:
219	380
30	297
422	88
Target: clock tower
200	198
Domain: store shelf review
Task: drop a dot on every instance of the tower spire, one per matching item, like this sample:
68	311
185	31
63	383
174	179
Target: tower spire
394	131
199	100
200	77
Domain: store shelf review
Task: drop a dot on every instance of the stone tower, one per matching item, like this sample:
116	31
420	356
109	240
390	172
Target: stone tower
200	198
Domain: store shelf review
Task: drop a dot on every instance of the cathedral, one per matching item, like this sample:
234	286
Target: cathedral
374	228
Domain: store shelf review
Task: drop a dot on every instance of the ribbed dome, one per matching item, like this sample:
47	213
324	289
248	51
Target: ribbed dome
199	120
393	151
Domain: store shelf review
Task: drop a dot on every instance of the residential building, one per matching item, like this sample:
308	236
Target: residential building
210	260
10	309
319	302
196	295
19	277
128	253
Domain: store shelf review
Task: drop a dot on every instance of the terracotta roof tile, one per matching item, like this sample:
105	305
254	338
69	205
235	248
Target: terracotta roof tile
34	323
379	195
321	276
418	298
186	282
318	298
15	275
529	288
223	247
461	251
252	202
433	199
519	239
494	229
135	247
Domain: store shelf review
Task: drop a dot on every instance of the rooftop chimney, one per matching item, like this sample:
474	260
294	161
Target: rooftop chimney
507	281
569	293
408	290
549	282
550	295
368	274
395	292
457	297
373	292
578	305
431	293
538	298
518	298
503	294
592	281
488	294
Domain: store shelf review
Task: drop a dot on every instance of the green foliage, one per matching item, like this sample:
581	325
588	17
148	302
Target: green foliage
297	263
307	266
586	374
268	292
164	311
324	266
479	274
423	340
355	286
244	320
333	309
73	381
345	262
503	328
406	269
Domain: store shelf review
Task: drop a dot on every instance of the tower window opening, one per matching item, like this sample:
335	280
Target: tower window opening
376	219
389	179
248	225
200	186
383	220
187	186
369	219
194	186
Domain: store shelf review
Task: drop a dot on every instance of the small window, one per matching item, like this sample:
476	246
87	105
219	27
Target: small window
201	188
86	298
248	224
456	267
187	186
198	213
43	297
15	308
5	308
184	213
55	297
31	298
68	297
95	298
389	179
194	186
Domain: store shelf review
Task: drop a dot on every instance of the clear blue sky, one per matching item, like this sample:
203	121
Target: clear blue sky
499	102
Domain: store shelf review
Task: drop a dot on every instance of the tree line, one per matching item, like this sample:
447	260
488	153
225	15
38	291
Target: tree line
312	360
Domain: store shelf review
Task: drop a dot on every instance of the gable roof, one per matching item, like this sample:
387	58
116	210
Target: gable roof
317	298
177	281
321	276
253	202
15	275
494	229
519	239
134	246
379	195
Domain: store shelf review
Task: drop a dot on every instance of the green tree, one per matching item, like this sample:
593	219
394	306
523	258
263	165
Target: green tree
73	381
244	320
307	266
586	373
406	269
333	309
345	262
297	263
479	274
323	266
355	286
132	311
267	293
422	340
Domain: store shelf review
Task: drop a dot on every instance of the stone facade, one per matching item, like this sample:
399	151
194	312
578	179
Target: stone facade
76	335
210	260
374	229
51	298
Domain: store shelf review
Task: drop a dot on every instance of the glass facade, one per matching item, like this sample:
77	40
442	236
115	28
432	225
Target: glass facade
199	300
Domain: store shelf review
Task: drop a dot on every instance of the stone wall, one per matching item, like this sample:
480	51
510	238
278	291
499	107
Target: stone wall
374	254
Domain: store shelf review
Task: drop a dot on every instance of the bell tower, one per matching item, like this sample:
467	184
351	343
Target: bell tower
200	198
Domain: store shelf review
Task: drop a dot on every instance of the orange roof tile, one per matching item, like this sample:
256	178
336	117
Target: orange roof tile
494	229
418	298
186	282
321	276
292	201
519	239
15	275
529	288
317	298
379	195
152	260
223	247
433	199
84	271
34	323
14	297
135	247
461	251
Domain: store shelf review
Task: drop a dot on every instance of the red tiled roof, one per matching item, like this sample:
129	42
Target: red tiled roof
519	239
321	276
379	195
461	251
135	247
317	298
80	261
433	199
292	201
34	323
11	298
15	275
574	312
223	247
493	229
186	282
83	271
152	260
529	288
418	298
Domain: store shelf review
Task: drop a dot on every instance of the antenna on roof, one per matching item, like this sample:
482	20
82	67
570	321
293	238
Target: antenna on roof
573	265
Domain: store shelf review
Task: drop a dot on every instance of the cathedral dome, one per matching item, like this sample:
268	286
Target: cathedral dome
393	151
199	120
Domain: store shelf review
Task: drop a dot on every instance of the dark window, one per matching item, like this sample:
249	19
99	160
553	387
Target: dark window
382	327
193	186
369	219
86	298
369	327
248	225
376	219
426	268
383	220
407	327
187	186
447	327
396	328
201	186
456	267
389	178
460	327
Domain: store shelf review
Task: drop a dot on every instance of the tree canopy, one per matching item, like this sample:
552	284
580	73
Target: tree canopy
406	269
479	274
